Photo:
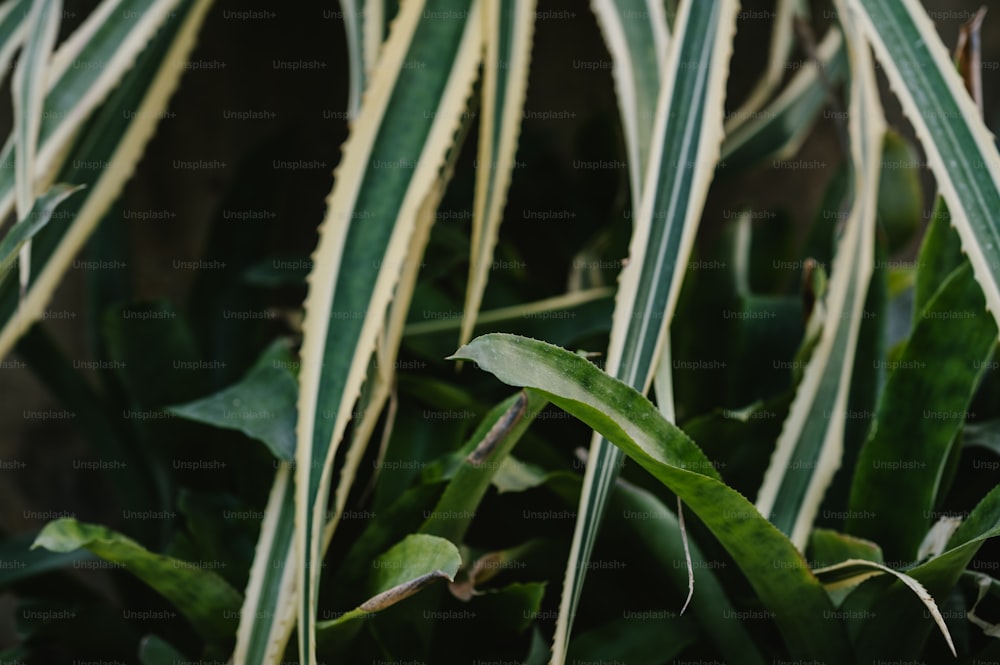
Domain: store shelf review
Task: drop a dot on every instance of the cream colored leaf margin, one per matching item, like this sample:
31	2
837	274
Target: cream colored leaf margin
853	572
536	309
670	209
53	147
13	13
791	492
28	92
125	157
637	70
508	26
961	151
310	515
782	42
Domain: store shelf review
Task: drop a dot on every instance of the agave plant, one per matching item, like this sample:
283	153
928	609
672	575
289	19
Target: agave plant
788	539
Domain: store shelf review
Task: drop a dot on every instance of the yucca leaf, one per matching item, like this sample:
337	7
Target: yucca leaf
811	444
960	149
354	22
775	569
267	616
25	229
782	41
637	37
545	310
203	597
827	547
940	255
686	134
852	572
142	95
508	26
12	30
81	74
391	165
892	609
780	129
985	585
28	93
933	382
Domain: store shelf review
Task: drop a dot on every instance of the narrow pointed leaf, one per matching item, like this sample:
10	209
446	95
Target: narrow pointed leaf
686	134
112	36
267	616
779	49
28	92
391	165
854	571
934	382
637	36
771	563
25	229
892	610
508	27
12	30
960	149
780	129
811	444
142	95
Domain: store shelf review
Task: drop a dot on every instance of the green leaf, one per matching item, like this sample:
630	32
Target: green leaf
658	530
852	572
685	134
960	149
405	569
25	229
204	598
892	609
940	254
772	565
643	637
494	439
153	650
508	29
261	405
900	192
13	16
828	547
140	53
388	182
933	381
637	41
811	444
28	90
21	562
782	127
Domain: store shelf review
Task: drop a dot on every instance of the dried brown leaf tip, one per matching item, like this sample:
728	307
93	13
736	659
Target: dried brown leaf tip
402	591
968	56
503	426
484	568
